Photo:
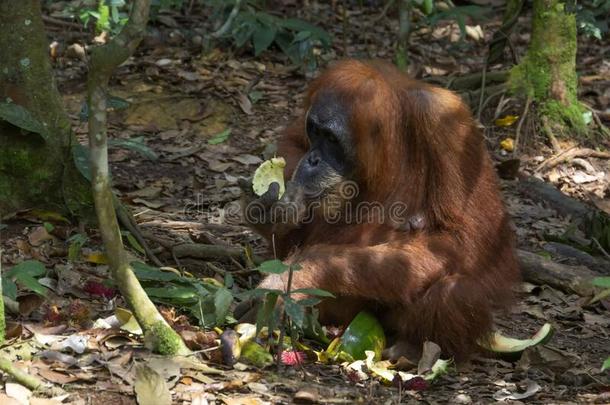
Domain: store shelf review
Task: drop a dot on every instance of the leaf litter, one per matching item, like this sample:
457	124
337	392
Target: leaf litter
73	336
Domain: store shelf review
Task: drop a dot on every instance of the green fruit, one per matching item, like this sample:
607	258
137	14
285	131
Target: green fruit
363	333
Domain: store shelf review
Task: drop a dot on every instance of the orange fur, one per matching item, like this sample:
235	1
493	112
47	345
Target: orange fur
419	145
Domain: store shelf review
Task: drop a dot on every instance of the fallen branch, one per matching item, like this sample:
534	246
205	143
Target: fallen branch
570	279
469	82
205	251
541	191
193	225
570	154
62	23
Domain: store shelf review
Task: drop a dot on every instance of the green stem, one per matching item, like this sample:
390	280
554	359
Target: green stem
103	61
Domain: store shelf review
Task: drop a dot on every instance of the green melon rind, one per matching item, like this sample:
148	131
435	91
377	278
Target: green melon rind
268	172
513	348
363	333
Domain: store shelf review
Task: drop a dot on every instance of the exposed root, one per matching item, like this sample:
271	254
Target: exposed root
549	133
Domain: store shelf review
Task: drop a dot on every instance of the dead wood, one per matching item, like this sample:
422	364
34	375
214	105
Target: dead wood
570	279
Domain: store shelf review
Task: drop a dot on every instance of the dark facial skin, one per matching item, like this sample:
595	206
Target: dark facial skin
328	161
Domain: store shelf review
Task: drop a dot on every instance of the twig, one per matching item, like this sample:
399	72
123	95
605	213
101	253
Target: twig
600	247
126	219
280	344
225	27
384	11
482	96
520	124
598	121
491	97
569	154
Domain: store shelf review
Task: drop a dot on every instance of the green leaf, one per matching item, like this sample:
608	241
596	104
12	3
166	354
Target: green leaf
133	242
103	21
31	283
172	292
243	33
313	291
220	137
22	118
284	40
145	272
310	302
255	96
257	292
229	281
606	364
295	312
82	160
265	315
297	25
134	144
273	267
263	38
301	36
603	282
76	243
222	303
117	103
204	311
32	268
9	288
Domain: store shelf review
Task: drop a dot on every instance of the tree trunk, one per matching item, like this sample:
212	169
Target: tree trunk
34	171
547	73
404	33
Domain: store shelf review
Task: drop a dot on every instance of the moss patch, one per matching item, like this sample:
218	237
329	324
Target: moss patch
165	340
547	74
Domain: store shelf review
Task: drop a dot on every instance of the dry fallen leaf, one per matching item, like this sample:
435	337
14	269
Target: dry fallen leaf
18	392
505	395
150	387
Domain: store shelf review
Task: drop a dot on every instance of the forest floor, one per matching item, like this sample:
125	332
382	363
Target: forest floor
179	99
